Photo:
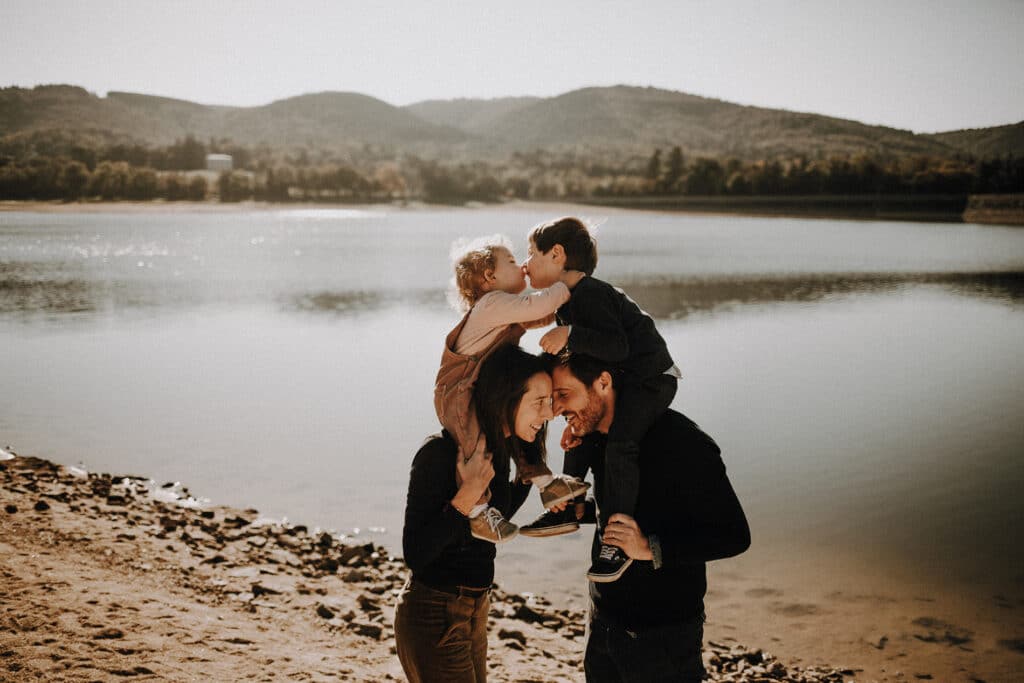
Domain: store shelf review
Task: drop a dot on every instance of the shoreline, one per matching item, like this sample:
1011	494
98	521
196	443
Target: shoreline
112	576
1006	210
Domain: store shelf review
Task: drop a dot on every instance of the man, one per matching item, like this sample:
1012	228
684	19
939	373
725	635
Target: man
648	626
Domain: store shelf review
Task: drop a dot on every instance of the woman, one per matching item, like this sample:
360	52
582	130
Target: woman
441	617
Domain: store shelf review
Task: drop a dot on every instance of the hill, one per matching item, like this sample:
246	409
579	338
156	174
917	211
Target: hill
331	119
602	123
986	142
473	116
637	119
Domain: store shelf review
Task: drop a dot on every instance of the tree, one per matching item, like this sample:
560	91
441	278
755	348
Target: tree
234	186
675	168
73	179
197	189
654	166
187	155
706	177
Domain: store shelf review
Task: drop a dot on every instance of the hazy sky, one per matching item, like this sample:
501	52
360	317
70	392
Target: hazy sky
924	65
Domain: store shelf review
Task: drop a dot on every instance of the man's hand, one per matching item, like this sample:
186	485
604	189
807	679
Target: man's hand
569	439
555	340
623	532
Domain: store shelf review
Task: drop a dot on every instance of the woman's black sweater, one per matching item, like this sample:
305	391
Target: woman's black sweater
436	541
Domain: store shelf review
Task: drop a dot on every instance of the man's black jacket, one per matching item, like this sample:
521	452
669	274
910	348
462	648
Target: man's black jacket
688	506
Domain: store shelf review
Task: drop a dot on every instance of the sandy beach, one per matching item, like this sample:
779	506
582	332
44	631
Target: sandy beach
113	578
118	577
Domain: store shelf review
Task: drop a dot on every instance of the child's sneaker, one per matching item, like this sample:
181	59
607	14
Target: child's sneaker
561	489
552	523
610	564
491	525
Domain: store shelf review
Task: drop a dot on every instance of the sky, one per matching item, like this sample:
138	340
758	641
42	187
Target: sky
925	66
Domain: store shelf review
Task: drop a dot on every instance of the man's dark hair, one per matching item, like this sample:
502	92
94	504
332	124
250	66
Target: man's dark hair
579	245
584	368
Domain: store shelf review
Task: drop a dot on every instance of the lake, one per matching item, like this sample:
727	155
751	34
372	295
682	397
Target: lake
864	379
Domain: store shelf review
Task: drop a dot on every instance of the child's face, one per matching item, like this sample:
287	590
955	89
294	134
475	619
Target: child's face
508	275
543	269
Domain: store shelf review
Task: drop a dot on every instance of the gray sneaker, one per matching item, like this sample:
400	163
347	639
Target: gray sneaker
490	525
561	489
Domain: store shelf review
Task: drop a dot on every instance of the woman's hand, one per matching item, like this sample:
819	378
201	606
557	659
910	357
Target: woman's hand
623	532
476	475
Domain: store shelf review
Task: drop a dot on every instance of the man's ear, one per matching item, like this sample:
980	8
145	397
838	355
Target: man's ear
604	381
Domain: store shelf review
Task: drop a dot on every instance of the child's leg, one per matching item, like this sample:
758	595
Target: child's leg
637	407
577	460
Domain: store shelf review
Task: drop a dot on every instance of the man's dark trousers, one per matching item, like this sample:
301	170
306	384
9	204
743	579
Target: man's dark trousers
661	654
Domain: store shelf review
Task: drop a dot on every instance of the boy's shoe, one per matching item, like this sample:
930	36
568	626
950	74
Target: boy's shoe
610	564
562	489
552	523
491	525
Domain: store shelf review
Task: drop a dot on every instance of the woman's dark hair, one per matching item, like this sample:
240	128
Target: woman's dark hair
499	388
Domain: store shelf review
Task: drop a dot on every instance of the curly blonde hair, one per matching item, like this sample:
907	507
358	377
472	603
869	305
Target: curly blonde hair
470	260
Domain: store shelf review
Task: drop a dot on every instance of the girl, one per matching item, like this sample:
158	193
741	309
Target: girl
488	286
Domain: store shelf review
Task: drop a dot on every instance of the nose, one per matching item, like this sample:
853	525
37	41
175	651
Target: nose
546	412
557	407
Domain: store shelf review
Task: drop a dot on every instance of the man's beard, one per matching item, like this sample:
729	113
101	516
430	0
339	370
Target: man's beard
587	419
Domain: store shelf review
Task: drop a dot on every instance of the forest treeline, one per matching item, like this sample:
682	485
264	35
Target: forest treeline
49	166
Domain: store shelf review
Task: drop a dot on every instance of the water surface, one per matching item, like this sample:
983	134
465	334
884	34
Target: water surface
864	379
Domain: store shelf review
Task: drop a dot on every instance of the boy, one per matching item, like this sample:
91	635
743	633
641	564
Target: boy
599	320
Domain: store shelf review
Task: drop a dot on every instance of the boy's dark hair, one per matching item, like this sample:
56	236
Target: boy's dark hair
574	236
499	388
584	368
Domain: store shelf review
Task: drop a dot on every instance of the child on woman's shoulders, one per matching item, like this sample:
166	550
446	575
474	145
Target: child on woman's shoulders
488	287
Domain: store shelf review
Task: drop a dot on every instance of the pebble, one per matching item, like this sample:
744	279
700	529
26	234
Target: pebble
266	564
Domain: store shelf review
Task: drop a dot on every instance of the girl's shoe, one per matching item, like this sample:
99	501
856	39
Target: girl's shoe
490	525
561	489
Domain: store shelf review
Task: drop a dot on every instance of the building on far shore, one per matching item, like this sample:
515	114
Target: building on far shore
219	162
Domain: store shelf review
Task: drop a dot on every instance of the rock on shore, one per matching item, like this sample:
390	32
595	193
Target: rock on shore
116	578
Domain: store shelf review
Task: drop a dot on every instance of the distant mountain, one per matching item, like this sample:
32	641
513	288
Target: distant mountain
986	142
628	118
331	119
606	122
472	116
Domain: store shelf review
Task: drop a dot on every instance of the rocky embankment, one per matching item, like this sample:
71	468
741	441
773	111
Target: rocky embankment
115	577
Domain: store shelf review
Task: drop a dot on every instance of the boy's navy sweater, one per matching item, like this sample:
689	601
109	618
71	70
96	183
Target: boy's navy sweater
608	325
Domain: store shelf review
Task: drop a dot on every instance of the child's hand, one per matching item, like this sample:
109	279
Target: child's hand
555	340
569	439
